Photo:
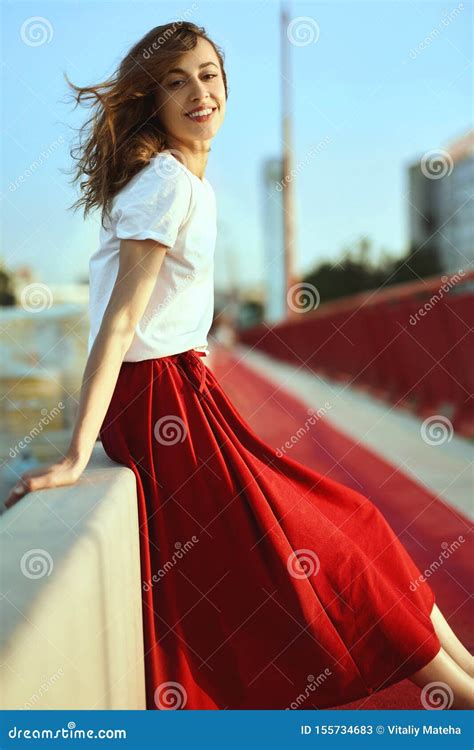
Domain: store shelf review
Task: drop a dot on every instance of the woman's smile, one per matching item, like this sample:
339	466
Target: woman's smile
201	115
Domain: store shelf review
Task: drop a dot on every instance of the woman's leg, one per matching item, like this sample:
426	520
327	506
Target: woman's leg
451	643
444	684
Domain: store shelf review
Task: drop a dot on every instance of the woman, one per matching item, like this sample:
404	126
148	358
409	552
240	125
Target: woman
263	581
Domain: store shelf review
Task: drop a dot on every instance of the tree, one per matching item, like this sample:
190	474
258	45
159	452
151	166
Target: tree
356	271
7	294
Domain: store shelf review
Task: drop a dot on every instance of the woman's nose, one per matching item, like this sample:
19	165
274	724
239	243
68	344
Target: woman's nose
198	89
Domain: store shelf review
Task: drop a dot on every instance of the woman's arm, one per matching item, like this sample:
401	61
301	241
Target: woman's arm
139	264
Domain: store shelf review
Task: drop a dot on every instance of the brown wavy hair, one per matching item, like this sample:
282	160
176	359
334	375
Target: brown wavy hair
124	131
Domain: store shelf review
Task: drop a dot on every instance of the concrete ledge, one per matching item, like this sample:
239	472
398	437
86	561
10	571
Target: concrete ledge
70	610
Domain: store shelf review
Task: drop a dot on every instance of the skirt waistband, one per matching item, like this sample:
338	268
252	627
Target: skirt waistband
189	362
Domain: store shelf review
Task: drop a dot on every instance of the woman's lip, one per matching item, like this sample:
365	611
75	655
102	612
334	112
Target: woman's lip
205	118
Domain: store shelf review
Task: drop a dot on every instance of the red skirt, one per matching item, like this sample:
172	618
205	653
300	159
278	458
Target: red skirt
265	585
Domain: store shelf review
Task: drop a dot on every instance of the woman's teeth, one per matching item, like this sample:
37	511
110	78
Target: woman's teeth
202	115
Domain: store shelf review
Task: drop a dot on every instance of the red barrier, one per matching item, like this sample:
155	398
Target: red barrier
411	344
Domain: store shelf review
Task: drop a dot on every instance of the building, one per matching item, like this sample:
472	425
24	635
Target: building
273	242
441	203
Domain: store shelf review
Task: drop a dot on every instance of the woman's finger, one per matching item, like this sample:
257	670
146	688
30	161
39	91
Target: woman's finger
41	478
26	483
16	492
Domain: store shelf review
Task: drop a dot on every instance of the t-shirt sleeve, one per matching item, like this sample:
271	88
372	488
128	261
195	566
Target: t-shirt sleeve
152	206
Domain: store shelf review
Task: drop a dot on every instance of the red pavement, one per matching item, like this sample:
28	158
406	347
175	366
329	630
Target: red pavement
422	522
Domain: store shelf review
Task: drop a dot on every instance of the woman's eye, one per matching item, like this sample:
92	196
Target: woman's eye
207	75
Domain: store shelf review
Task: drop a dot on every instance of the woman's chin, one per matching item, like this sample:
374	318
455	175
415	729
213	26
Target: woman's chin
206	134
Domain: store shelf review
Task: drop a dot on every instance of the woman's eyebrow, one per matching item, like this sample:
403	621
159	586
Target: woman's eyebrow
180	70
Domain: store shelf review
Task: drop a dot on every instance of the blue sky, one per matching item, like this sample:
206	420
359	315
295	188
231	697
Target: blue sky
366	85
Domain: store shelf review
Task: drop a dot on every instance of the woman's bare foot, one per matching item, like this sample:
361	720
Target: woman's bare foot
444	684
451	643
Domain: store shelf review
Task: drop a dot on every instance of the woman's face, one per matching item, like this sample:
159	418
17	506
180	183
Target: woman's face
194	83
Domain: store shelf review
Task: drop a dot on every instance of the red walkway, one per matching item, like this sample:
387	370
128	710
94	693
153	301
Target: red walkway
424	523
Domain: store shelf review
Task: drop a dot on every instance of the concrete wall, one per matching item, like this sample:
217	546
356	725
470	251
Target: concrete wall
70	615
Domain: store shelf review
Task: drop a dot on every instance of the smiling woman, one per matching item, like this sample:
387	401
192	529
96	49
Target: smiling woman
169	92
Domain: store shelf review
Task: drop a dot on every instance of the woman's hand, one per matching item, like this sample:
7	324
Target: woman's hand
63	472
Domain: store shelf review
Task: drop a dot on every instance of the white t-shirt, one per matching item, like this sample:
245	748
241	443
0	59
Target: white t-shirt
166	202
